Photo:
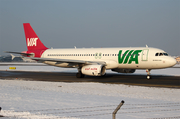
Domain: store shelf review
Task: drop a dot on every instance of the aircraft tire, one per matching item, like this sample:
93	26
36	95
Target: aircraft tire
80	75
103	75
148	77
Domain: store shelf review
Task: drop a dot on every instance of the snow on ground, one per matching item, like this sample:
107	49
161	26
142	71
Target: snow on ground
44	100
35	99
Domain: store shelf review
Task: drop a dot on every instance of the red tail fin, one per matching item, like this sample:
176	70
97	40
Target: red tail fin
32	40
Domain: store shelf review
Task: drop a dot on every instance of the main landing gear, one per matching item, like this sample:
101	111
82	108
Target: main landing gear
148	74
79	74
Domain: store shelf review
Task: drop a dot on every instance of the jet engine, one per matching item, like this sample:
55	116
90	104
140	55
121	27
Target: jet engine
124	70
93	70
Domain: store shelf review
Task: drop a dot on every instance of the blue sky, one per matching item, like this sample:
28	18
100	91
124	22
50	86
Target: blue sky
92	23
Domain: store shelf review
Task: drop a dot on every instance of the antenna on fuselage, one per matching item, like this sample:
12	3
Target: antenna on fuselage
147	46
74	47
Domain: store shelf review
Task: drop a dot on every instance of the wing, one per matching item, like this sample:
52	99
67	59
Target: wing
70	61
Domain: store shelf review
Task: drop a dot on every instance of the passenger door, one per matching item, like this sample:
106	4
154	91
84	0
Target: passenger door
145	55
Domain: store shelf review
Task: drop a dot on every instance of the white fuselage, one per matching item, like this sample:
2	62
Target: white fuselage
123	58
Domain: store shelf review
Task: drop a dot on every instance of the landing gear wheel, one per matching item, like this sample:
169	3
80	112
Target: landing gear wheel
148	77
148	74
103	75
80	75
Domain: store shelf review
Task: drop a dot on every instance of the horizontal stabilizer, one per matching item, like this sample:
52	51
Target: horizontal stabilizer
26	54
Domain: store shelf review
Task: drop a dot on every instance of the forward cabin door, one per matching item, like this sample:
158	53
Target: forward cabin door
145	55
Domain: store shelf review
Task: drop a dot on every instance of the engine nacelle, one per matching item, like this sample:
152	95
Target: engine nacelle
124	70
93	70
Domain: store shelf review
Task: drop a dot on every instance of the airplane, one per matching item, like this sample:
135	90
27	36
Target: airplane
95	61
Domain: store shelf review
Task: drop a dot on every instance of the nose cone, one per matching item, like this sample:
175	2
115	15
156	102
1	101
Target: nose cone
172	61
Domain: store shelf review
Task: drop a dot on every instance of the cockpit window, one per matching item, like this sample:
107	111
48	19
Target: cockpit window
161	54
165	54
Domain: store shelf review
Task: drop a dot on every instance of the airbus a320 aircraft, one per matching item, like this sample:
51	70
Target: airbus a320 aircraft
95	61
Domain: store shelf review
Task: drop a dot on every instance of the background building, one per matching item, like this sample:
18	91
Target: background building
178	60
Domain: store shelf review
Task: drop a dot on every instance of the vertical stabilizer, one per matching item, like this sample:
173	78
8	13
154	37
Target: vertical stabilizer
32	40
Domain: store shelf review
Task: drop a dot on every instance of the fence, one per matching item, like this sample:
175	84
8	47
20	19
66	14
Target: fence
103	111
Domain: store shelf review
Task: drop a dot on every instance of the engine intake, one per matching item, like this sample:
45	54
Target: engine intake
93	70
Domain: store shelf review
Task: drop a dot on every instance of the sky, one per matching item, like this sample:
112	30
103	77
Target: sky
92	23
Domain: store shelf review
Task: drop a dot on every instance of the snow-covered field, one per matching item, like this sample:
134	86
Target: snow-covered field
47	100
35	99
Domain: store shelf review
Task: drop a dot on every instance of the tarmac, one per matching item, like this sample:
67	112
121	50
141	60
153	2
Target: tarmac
111	78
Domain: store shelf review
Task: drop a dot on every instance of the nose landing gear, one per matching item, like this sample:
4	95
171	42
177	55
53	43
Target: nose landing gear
148	74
